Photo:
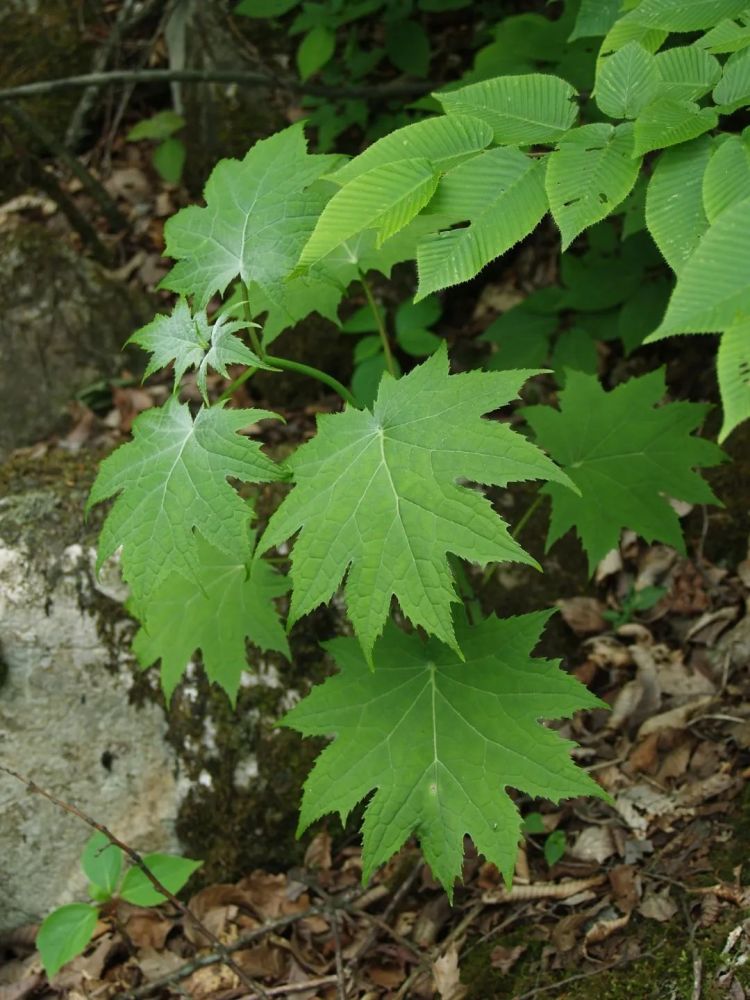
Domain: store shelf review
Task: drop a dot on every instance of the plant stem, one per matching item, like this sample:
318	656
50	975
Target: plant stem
381	325
329	380
254	338
233	386
530	511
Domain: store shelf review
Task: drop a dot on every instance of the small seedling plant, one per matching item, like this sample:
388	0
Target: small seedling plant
434	714
66	931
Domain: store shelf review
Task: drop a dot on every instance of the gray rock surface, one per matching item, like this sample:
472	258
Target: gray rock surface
63	321
65	715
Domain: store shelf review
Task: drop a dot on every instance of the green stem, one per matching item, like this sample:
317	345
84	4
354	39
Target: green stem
254	338
329	380
381	325
234	386
530	511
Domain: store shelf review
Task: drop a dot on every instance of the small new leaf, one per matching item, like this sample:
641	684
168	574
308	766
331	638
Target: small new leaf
626	463
102	862
230	598
64	934
376	494
168	869
192	341
440	739
172	478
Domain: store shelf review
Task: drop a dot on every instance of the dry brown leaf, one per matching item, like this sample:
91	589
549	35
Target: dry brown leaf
318	853
674	718
388	976
657	904
447	976
147	928
265	893
644	756
263	961
608	923
504	958
583	614
626	887
155	964
594	843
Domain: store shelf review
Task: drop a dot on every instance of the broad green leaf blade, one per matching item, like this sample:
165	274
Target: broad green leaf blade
626	456
230	599
589	174
595	17
675	215
642	313
385	199
102	862
726	180
685	15
521	110
574	349
158	126
726	36
733	370
623	32
444	141
522	338
64	934
733	90
626	82
172	478
686	72
439	740
408	47
667	123
259	214
501	193
713	287
169	159
315	50
376	494
168	869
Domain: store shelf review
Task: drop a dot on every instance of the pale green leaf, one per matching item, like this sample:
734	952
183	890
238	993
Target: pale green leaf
686	72
158	126
683	15
733	90
675	214
376	495
726	36
172	478
367	377
64	934
595	17
169	159
385	199
667	123
501	194
626	81
315	50
589	174
522	110
713	287
444	141
168	869
230	599
439	740
623	32
192	341
733	370
727	177
259	214
102	862
627	456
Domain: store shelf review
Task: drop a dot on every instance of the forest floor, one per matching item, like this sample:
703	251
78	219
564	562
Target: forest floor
644	898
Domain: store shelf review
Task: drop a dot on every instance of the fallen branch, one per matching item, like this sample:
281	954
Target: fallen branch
138	861
245	77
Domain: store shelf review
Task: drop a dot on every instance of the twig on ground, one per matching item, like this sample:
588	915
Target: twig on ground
383	91
401	893
288	988
696	956
137	860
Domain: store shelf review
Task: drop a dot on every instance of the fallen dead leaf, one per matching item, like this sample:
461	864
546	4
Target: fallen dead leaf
318	853
583	614
657	904
447	977
594	843
626	887
504	958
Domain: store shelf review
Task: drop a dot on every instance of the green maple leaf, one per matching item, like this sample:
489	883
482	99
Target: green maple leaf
259	214
376	495
172	478
230	598
440	739
627	460
192	341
